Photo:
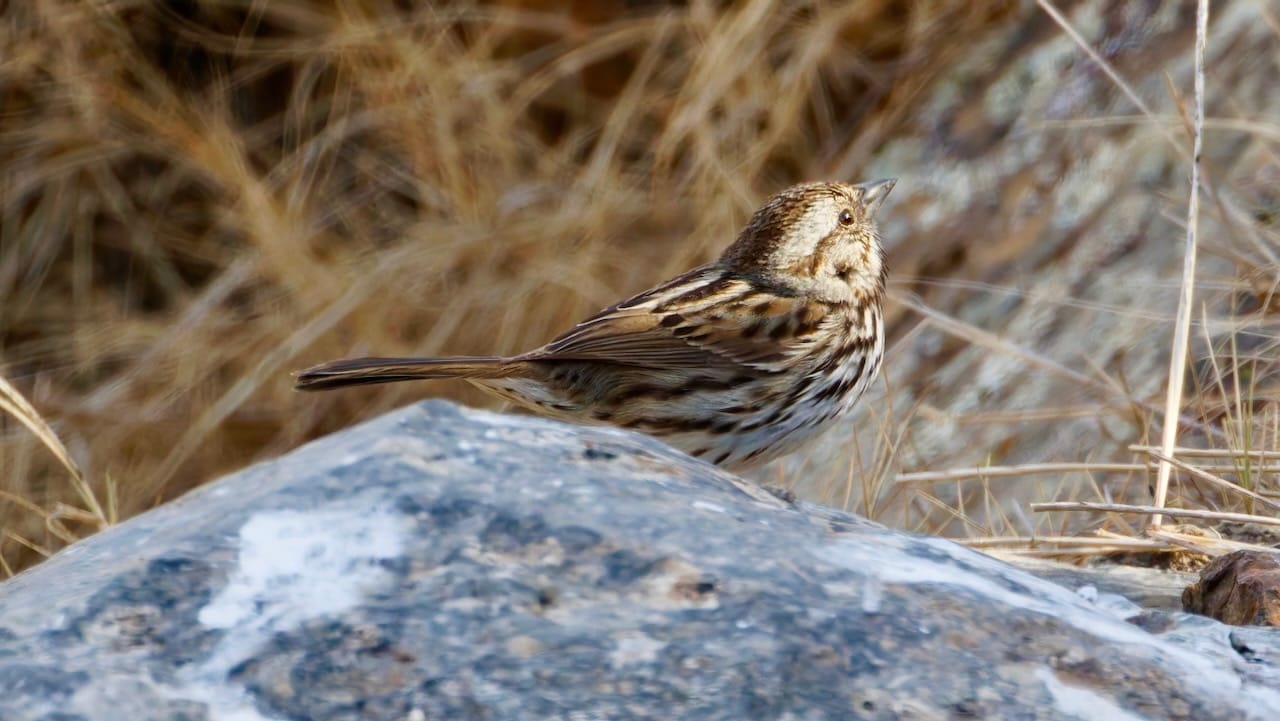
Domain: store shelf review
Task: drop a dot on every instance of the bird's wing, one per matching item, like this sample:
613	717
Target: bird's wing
701	319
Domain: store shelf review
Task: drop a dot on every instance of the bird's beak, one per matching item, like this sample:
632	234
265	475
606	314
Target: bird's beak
874	193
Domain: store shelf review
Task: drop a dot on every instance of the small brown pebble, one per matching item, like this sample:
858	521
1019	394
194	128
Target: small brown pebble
1241	588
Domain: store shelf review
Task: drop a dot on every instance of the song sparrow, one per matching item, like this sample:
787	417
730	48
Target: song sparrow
737	362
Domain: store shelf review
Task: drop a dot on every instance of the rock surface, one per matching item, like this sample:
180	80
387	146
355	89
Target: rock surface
446	564
1147	587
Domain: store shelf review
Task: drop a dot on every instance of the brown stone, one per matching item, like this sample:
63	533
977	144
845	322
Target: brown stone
1241	588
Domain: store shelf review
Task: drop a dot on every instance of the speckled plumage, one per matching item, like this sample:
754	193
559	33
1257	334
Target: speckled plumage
738	362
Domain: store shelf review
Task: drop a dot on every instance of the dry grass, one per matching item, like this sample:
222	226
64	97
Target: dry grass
196	201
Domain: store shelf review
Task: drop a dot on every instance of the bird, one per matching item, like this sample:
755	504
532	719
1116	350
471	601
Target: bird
738	362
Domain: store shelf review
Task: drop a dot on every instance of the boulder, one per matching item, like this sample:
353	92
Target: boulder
440	563
1241	588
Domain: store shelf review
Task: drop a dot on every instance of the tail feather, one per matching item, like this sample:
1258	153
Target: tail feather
367	371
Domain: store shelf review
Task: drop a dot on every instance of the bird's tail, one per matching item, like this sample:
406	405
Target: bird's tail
366	371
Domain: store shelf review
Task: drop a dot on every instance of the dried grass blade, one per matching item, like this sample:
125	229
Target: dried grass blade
1215	480
1182	326
14	403
1153	510
1028	469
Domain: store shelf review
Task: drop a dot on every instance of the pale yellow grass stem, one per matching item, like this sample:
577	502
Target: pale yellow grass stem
1154	510
957	474
14	403
1209	452
1182	327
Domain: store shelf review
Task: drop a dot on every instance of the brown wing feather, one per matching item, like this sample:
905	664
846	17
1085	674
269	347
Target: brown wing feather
703	318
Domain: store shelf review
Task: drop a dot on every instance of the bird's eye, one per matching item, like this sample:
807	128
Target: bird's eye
846	217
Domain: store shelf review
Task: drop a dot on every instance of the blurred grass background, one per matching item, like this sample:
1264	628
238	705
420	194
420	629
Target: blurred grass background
199	196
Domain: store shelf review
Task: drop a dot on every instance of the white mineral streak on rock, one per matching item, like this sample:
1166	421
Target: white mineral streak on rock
293	566
1082	702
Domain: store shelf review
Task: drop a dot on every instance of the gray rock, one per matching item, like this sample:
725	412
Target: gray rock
446	564
1143	587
